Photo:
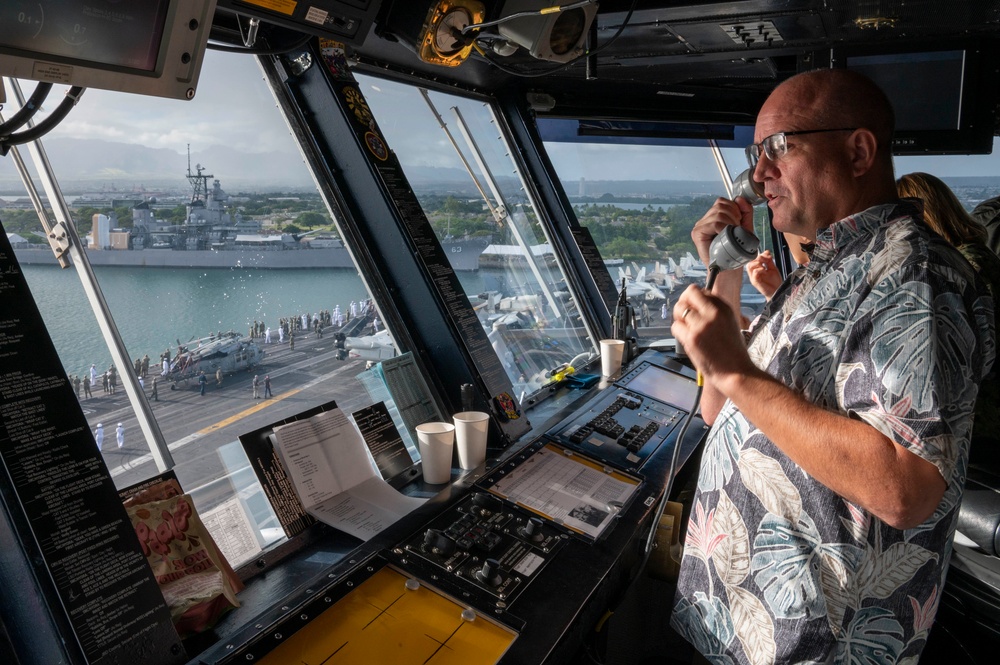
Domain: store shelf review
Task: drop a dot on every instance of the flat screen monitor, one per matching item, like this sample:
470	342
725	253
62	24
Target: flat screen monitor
662	385
925	87
149	47
941	94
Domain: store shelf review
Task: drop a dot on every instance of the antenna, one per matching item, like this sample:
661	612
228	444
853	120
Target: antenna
199	182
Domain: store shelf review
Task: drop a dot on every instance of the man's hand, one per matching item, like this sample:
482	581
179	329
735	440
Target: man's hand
710	334
763	274
723	213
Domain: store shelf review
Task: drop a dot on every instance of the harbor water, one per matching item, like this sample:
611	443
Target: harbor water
155	308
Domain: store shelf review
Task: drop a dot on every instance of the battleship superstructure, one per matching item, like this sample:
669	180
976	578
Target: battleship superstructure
213	236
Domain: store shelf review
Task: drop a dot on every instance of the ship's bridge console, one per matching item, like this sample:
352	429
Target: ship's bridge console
624	425
514	562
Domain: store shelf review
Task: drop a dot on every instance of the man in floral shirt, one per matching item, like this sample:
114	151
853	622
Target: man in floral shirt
830	483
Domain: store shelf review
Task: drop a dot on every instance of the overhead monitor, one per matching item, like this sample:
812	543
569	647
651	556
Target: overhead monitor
943	95
148	47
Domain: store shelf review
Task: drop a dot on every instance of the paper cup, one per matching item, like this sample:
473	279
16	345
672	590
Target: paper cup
470	437
436	441
611	356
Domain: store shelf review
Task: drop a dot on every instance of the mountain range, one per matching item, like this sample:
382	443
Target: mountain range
93	165
87	165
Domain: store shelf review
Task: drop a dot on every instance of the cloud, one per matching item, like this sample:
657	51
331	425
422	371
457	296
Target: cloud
232	107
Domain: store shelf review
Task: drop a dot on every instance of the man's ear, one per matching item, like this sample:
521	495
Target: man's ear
862	146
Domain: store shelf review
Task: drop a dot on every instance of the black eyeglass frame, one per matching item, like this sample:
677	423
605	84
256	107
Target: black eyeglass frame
754	149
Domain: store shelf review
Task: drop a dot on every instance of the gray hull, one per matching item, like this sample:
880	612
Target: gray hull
463	255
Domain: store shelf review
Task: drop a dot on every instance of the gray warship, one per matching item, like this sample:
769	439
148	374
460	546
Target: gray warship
213	236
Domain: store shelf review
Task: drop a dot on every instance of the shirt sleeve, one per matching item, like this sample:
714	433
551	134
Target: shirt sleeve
912	364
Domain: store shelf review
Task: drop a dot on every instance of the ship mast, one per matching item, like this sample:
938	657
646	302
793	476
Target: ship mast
199	181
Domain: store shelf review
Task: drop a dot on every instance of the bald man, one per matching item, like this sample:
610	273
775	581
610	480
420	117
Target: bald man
832	476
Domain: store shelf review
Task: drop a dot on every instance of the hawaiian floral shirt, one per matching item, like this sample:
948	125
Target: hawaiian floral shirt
885	324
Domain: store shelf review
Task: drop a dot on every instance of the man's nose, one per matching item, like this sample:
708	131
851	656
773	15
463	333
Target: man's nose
763	167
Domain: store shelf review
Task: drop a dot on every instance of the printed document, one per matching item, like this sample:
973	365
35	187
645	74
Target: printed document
327	461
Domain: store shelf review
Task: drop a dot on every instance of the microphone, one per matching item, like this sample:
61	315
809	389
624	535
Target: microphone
733	248
748	188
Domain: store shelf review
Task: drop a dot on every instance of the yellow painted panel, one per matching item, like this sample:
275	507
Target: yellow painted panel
280	6
384	622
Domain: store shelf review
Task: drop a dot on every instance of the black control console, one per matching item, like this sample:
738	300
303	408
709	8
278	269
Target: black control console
473	569
624	424
483	547
622	428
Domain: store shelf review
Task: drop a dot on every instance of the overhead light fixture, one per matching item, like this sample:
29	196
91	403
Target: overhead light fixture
876	22
434	30
553	33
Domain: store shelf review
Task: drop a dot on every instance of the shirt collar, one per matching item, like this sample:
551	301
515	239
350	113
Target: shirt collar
840	234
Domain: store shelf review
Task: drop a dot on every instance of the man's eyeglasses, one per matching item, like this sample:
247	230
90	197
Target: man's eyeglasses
775	145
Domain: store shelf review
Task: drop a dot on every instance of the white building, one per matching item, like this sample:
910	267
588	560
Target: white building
100	235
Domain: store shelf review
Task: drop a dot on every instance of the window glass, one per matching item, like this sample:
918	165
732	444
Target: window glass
640	203
973	178
471	191
219	263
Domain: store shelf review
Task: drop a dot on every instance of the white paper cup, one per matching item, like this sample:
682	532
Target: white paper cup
470	437
436	442
611	356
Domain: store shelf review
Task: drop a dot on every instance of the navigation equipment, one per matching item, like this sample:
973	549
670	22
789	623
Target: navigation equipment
154	47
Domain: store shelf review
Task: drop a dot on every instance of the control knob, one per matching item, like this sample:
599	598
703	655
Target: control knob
489	574
438	543
532	530
486	503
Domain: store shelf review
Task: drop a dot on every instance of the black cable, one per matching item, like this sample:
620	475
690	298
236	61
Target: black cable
26	112
46	125
534	12
585	54
713	272
674	458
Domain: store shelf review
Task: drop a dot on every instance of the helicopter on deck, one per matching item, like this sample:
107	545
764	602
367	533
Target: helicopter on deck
228	351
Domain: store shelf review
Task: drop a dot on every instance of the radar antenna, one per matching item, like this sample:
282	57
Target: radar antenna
199	181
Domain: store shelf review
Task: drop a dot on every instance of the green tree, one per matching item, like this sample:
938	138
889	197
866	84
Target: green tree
124	216
312	220
630	250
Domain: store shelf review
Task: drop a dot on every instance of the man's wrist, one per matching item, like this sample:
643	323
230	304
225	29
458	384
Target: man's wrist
733	384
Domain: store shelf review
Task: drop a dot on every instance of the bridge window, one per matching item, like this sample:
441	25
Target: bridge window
640	201
202	260
460	166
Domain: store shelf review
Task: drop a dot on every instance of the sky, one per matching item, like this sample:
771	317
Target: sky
233	107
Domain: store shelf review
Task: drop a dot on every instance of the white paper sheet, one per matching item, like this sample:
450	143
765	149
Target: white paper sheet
567	490
327	461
